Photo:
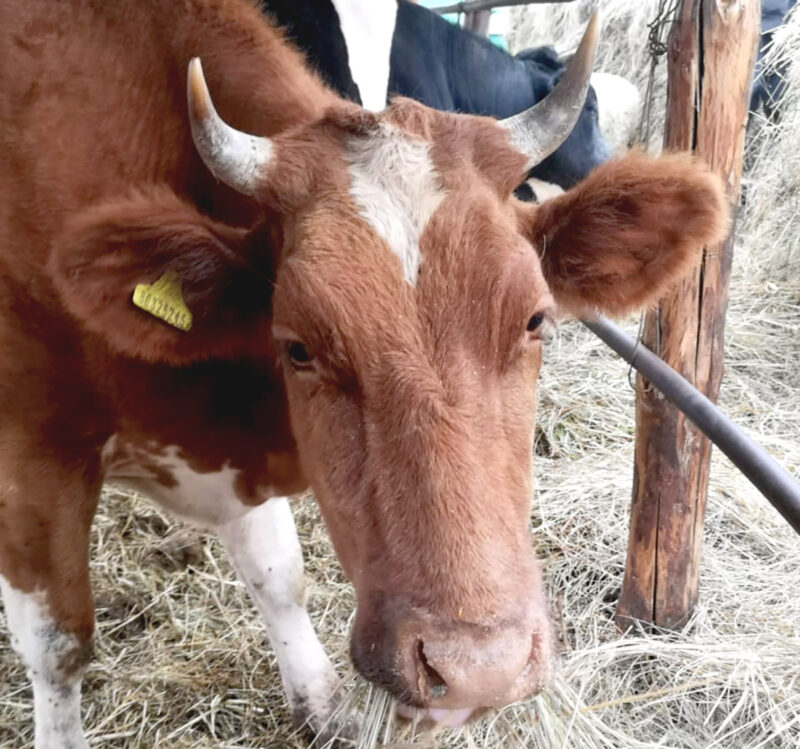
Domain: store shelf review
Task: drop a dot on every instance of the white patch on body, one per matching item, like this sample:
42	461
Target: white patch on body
265	551
395	185
263	546
206	499
45	651
368	28
619	106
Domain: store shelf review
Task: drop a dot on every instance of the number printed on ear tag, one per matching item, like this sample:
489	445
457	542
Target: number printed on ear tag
163	300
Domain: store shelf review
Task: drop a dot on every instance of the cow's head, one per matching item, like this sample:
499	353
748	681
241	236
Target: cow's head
404	292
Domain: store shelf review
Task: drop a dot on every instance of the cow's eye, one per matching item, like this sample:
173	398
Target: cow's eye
299	355
535	322
540	327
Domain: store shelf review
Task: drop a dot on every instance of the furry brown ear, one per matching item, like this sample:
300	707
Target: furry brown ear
223	275
631	229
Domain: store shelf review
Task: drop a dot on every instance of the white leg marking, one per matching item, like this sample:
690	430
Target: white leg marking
395	186
266	554
368	28
53	660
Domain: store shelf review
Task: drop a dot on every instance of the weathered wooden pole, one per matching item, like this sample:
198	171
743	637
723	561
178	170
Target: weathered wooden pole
711	50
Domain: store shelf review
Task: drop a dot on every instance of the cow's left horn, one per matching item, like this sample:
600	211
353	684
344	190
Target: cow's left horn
234	157
538	131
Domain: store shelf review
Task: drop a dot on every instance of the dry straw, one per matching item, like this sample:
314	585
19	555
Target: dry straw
181	659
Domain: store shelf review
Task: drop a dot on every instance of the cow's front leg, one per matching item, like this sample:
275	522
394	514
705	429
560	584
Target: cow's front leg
45	515
265	551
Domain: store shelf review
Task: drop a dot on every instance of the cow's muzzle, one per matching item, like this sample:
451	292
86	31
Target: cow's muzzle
451	668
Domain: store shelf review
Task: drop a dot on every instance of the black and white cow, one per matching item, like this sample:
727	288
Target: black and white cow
348	42
447	67
370	49
769	84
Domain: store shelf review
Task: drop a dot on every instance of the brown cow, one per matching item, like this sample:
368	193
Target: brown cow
354	303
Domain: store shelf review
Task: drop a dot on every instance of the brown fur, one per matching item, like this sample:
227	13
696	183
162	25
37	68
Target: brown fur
99	171
107	249
617	240
413	426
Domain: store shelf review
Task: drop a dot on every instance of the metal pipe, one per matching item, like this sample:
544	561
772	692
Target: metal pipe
763	471
471	6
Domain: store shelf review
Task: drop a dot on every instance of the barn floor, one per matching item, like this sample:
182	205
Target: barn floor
181	658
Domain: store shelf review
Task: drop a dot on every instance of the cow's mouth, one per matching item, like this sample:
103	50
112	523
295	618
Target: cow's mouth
441	717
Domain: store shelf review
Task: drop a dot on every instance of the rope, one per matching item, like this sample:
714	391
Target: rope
656	48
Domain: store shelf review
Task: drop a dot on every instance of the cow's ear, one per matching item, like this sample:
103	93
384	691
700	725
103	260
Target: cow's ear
162	282
630	230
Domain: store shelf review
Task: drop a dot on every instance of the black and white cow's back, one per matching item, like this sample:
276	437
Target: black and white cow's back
370	49
449	68
348	42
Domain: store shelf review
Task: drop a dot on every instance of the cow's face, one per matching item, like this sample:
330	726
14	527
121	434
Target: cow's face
409	310
404	291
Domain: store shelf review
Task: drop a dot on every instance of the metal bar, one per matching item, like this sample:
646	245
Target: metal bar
478	22
763	471
471	6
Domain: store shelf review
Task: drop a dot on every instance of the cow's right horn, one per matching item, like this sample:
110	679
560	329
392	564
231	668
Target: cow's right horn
542	128
234	157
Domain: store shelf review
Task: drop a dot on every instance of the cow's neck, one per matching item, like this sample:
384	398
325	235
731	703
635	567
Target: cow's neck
212	417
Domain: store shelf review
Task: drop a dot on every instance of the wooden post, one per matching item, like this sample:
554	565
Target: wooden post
478	21
712	47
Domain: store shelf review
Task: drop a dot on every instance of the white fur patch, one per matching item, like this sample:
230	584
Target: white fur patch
368	28
265	551
263	545
206	499
397	190
43	648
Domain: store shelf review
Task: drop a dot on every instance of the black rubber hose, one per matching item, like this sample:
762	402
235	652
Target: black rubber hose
764	472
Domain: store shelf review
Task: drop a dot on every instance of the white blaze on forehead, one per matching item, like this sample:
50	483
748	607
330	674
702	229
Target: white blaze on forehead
396	188
368	28
44	650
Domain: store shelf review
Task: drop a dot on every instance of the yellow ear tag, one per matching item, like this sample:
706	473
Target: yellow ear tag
163	300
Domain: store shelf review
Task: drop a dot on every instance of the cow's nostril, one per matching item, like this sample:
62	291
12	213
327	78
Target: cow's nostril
430	681
536	647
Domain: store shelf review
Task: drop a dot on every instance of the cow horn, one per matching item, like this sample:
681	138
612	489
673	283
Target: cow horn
234	157
542	128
